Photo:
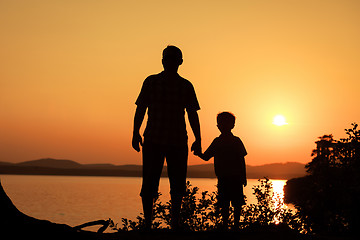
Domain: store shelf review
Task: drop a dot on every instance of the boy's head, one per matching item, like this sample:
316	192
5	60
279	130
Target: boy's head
172	58
225	121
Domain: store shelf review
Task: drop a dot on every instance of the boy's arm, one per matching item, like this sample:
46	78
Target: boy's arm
242	153
203	156
206	155
209	153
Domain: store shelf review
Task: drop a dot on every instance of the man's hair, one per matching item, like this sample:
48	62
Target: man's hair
225	119
173	51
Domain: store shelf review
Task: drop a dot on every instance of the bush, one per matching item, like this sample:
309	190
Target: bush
270	211
203	213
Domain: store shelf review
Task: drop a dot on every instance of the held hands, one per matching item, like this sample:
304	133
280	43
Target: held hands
137	141
196	147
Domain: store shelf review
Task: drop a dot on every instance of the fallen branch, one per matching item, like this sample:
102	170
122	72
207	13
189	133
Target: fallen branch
17	225
105	224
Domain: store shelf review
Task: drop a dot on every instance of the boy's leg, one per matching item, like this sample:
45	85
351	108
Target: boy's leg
237	202
153	161
176	158
224	199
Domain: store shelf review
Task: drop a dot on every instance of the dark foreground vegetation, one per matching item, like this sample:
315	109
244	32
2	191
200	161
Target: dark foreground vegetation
328	198
200	212
200	217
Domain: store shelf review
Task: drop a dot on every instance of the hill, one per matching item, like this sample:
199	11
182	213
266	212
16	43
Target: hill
51	163
49	166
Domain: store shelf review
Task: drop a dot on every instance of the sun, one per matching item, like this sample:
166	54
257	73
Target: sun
279	120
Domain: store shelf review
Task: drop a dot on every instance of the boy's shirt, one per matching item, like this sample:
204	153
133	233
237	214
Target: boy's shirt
228	152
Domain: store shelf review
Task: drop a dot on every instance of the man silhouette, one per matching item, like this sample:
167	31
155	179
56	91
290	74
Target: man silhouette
166	96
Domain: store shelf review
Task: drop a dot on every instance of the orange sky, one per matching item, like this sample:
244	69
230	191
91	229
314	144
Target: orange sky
71	71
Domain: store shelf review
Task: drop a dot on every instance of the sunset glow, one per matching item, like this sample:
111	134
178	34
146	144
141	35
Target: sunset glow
71	72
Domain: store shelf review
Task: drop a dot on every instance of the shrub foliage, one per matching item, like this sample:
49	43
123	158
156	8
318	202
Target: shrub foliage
201	212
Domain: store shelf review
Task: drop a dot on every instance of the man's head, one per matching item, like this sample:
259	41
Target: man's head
225	121
172	58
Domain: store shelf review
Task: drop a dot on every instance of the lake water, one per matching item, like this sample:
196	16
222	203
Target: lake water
75	200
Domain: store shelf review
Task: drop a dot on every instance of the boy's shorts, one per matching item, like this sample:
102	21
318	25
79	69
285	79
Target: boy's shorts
230	189
153	162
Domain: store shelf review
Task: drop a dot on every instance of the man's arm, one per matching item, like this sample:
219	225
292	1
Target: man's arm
138	119
195	126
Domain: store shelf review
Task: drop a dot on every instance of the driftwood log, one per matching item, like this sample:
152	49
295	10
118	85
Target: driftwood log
16	225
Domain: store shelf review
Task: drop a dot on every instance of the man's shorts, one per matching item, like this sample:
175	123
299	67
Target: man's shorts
230	189
154	156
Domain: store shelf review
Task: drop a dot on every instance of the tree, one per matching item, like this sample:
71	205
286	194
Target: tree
329	196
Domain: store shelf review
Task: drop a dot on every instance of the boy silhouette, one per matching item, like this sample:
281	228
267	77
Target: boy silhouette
166	96
229	163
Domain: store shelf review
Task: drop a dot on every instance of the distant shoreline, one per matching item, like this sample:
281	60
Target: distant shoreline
61	175
59	167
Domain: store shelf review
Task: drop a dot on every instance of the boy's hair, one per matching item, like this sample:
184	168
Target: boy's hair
173	51
225	119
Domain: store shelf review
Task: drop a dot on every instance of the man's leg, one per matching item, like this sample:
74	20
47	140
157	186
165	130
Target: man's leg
153	161
147	203
237	213
175	211
176	158
225	204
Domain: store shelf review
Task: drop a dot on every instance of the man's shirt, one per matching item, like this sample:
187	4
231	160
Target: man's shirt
166	100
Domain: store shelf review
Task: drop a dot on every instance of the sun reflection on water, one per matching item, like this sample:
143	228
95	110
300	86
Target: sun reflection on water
278	190
278	197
